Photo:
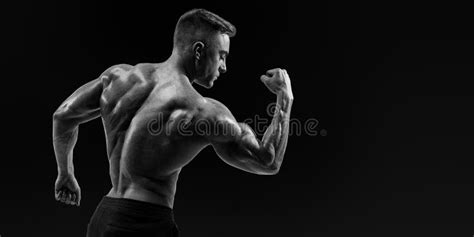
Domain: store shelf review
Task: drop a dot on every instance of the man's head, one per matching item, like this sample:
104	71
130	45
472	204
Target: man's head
202	38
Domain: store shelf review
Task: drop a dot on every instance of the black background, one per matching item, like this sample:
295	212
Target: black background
390	84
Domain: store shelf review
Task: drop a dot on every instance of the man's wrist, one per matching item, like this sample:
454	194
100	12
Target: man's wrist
65	172
284	101
286	94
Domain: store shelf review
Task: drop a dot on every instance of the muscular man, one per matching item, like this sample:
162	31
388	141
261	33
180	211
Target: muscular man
151	114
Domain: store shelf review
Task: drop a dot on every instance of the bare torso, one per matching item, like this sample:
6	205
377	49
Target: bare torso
145	110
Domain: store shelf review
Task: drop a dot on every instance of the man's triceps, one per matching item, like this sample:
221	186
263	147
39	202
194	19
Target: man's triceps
82	105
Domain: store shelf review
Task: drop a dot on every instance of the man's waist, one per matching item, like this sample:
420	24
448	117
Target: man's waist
137	193
136	207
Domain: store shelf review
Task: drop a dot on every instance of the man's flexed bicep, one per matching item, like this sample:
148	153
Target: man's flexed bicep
236	144
244	151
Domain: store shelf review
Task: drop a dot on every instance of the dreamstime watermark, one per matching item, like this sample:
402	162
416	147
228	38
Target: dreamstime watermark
185	125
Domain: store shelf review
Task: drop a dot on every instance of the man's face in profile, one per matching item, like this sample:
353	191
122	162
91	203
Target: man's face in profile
214	60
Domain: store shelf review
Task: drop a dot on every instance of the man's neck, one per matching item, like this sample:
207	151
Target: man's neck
180	64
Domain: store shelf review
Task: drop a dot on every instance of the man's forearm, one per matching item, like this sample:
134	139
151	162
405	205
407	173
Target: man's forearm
64	140
276	135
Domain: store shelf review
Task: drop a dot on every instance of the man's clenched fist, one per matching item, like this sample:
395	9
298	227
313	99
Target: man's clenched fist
67	190
277	80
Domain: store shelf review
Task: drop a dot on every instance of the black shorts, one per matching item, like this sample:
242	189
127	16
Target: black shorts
126	217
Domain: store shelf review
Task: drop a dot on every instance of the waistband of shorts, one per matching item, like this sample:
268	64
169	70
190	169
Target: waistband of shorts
135	206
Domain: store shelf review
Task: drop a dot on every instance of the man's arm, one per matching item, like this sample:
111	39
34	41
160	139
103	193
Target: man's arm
237	144
83	105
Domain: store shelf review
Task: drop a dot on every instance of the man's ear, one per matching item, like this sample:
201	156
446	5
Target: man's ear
198	49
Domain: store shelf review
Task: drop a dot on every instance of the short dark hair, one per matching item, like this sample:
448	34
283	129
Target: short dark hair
198	25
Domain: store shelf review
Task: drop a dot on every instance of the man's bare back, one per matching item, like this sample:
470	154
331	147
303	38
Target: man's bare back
136	103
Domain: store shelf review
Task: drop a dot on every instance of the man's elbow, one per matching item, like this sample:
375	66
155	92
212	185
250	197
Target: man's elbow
56	116
271	169
271	164
65	114
59	115
267	157
274	168
62	120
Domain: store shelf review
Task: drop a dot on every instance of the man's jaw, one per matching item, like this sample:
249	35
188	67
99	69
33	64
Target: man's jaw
205	84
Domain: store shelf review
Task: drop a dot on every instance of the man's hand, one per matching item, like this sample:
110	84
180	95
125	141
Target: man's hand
67	190
277	81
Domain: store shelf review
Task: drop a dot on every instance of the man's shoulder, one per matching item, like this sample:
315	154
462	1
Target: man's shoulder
123	69
221	121
213	106
215	110
117	68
